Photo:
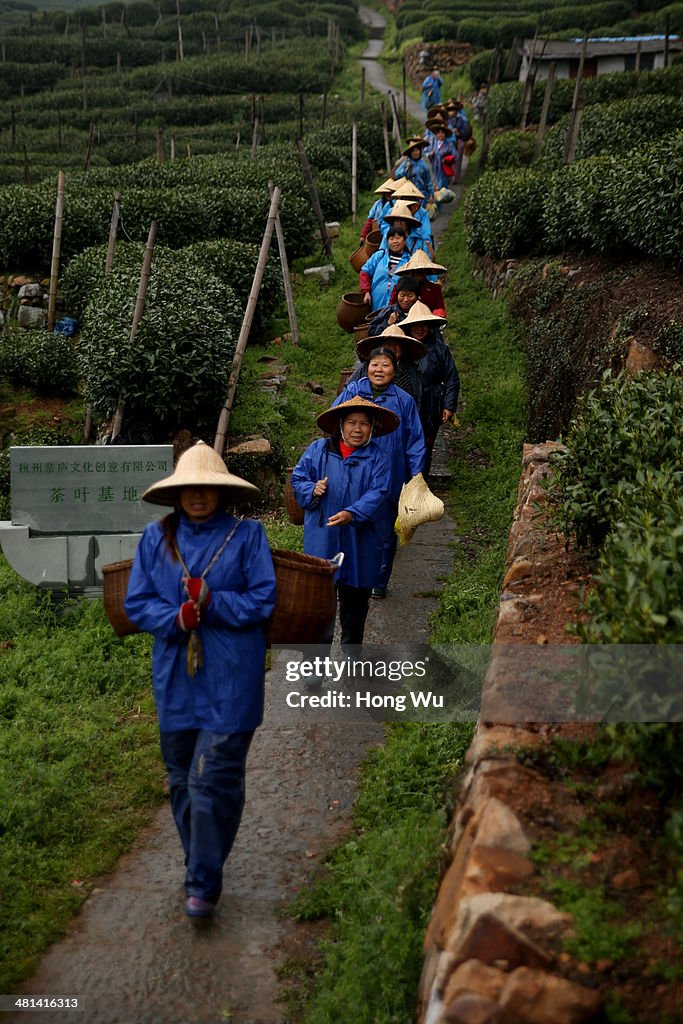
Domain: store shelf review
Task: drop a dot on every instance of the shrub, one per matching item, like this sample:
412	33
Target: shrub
511	149
621	434
503	212
176	371
577	208
38	359
235	263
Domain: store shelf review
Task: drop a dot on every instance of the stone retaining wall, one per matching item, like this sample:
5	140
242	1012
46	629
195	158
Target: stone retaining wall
490	954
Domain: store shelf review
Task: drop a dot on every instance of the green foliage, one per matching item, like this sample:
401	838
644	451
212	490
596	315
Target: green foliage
511	149
234	263
79	765
41	359
617	128
503	212
600	931
379	884
479	67
627	429
175	372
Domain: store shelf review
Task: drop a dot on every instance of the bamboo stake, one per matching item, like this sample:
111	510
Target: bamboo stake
313	193
323	116
405	102
181	51
396	127
286	279
56	249
572	131
113	232
91	144
222	429
254	138
542	124
137	315
354	172
362	84
385	131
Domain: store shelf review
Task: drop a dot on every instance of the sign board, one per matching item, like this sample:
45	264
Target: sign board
86	489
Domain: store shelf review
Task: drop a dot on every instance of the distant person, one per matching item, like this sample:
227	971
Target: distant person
431	89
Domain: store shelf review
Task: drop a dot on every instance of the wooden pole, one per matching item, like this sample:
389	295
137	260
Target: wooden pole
528	85
181	51
59	130
27	172
161	151
13	129
222	429
362	84
405	102
286	279
396	127
173	147
137	315
667	35
111	246
91	144
542	124
638	50
354	172
313	193
323	116
217	23
301	115
254	138
572	132
56	249
385	132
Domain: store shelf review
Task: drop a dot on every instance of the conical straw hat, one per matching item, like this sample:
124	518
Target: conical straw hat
420	261
384	420
420	313
413	144
400	210
387	186
414	349
199	466
416	505
400	182
408	192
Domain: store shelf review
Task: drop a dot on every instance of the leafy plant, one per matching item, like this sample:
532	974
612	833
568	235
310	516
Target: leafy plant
43	360
511	149
503	212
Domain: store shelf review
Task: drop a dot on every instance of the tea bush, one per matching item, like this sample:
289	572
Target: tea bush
503	212
511	149
176	371
43	361
622	433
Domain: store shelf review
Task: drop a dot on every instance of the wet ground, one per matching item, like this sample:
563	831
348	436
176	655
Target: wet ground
132	957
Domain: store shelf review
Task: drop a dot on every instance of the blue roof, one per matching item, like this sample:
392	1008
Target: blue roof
626	39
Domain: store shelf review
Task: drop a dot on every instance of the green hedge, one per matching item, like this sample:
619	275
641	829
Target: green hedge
41	360
616	128
504	212
511	149
607	203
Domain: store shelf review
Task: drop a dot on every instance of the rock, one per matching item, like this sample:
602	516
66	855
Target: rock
493	940
496	825
315	387
495	870
626	880
474	976
520	569
472	1009
31	291
31	317
19	280
258	446
324	272
640	358
332	229
534	997
488	739
518	913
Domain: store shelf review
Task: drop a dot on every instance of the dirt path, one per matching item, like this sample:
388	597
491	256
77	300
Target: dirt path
132	957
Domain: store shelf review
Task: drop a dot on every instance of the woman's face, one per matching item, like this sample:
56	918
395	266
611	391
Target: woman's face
419	331
406	300
441	134
381	371
356	429
395	345
415	153
199	503
397	243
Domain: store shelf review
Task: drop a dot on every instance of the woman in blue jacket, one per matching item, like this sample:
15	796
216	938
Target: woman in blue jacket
342	484
404	447
203	585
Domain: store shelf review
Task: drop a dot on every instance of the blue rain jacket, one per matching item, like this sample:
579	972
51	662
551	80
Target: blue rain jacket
376	270
359	484
420	234
405	446
226	694
419	172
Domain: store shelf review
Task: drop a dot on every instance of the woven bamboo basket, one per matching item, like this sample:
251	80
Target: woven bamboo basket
305	602
115	578
344	380
295	513
358	257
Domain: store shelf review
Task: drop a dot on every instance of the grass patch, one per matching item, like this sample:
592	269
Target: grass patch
482	492
79	762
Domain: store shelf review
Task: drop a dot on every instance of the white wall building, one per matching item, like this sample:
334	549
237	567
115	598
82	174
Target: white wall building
603	55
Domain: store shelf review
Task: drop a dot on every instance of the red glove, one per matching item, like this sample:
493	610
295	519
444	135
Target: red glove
188	616
197	590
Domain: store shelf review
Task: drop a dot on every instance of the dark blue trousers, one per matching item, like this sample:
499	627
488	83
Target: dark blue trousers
206	777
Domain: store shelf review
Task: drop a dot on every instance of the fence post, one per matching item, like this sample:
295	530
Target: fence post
354	172
542	124
137	315
222	428
313	193
385	132
56	249
286	279
572	130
